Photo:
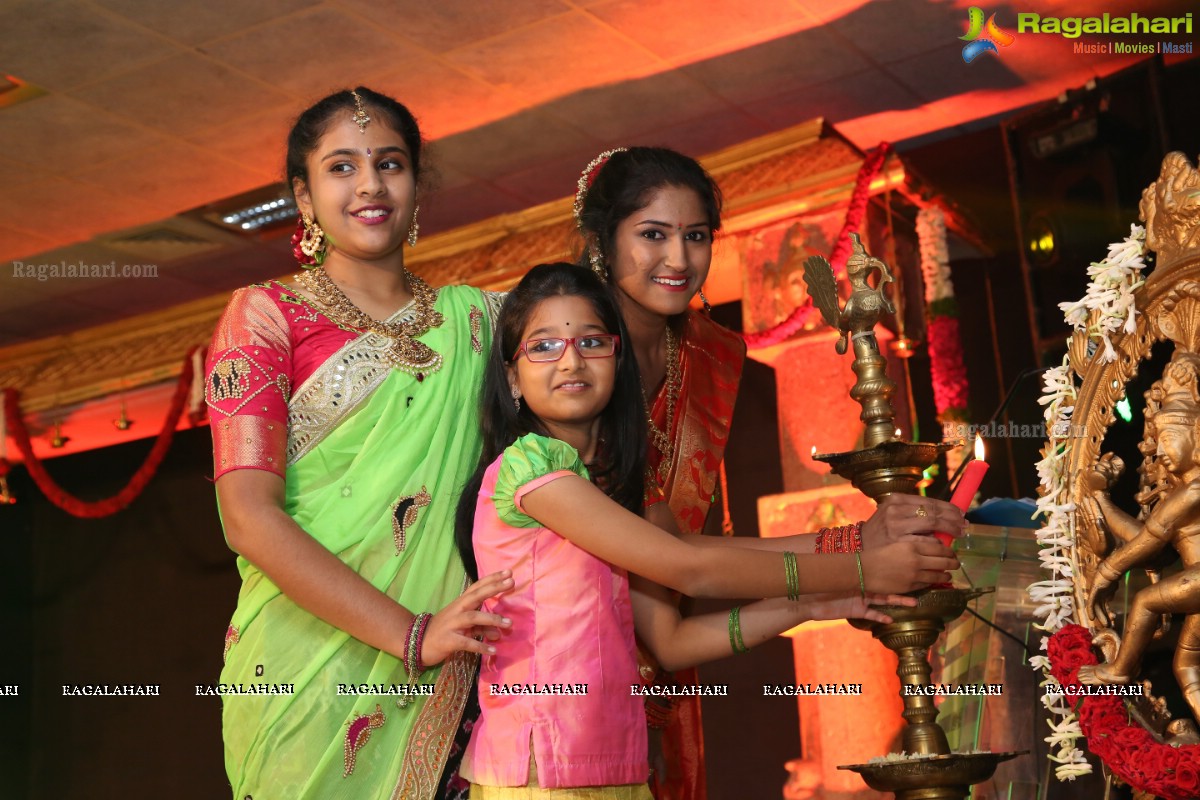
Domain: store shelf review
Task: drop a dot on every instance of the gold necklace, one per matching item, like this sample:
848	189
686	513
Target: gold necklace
406	353
674	382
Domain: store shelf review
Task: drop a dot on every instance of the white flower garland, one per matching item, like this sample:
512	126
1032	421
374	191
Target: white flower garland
1110	291
935	272
935	254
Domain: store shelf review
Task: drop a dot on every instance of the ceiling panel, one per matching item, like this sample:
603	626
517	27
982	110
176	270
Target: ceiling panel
555	57
63	45
449	24
183	93
780	65
67	211
18	244
258	140
642	105
684	33
270	52
892	31
513	144
64	135
193	23
445	99
177	176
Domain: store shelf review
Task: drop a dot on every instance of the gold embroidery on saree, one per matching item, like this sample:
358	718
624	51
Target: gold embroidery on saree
231	638
337	388
493	301
404	514
433	733
358	732
476	328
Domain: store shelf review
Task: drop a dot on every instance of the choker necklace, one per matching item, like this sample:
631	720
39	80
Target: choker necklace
674	382
406	353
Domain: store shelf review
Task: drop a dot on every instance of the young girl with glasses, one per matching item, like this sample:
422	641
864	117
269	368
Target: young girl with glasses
557	499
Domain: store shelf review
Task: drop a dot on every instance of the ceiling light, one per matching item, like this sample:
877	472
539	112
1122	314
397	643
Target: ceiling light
253	212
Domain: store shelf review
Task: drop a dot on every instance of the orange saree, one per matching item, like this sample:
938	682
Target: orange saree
711	360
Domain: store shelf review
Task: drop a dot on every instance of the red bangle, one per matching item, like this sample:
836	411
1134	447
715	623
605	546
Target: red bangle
421	626
842	539
825	541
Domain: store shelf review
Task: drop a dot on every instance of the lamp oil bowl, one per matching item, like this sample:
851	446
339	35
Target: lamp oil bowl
937	777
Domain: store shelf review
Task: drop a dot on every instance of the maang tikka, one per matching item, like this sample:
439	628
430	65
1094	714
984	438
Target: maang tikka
360	118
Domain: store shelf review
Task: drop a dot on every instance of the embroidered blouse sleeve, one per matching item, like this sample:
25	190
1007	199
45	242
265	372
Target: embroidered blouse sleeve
248	384
528	463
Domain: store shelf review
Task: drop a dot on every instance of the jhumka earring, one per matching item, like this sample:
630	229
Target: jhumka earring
308	242
516	396
704	300
414	228
597	262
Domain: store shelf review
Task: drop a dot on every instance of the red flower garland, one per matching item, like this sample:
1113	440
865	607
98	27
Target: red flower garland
946	366
100	508
1126	748
857	209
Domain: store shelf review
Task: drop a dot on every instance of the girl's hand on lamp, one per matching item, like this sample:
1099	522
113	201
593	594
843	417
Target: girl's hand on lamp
852	605
900	515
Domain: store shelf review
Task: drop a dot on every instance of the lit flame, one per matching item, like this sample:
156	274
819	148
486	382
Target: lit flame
979	453
897	433
814	451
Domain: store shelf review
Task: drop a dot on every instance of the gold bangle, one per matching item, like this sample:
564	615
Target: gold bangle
862	583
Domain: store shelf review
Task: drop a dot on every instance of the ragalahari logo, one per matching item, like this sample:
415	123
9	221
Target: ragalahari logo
977	42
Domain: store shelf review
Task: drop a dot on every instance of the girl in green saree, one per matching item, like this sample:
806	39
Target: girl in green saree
342	410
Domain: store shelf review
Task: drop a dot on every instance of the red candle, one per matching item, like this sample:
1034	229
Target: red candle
967	486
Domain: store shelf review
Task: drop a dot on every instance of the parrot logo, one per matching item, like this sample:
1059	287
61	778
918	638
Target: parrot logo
977	43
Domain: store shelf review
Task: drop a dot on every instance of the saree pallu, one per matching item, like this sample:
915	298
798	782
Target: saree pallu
376	459
711	360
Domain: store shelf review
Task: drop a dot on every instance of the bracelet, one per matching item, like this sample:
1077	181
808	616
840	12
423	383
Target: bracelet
792	572
856	537
412	646
862	583
735	631
842	539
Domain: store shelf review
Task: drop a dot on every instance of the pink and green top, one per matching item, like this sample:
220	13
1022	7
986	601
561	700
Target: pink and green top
572	625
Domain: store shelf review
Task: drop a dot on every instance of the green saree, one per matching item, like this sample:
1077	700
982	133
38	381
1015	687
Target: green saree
376	459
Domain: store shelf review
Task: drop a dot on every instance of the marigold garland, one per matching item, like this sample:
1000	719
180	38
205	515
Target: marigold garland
111	505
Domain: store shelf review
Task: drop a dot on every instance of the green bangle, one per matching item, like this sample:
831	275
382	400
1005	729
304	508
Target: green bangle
735	631
862	583
792	571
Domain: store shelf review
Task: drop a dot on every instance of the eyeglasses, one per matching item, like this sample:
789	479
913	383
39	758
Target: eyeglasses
597	345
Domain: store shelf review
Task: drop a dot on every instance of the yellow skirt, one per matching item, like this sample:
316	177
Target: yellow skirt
531	790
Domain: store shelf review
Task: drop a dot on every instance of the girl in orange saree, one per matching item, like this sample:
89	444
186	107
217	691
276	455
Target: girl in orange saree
648	216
